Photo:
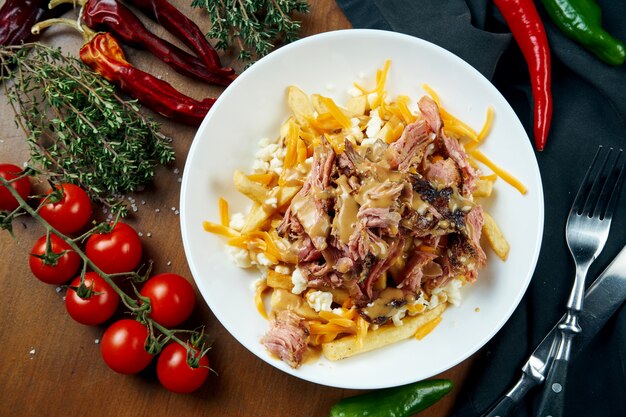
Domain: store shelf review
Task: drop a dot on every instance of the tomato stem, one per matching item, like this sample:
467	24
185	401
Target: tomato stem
139	308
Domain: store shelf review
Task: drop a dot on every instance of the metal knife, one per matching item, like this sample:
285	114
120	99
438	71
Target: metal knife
602	299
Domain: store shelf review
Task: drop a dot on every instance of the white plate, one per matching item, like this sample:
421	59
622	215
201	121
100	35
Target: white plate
254	107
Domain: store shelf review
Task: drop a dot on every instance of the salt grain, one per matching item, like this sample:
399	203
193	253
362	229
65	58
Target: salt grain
176	171
97	341
157	210
149	234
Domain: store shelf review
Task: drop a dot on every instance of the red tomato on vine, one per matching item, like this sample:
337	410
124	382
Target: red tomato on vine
174	372
56	267
22	186
123	347
117	251
71	213
100	304
171	299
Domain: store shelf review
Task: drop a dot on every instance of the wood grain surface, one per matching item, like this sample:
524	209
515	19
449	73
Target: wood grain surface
51	366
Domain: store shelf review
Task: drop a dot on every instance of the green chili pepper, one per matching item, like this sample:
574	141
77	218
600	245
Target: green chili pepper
581	20
401	401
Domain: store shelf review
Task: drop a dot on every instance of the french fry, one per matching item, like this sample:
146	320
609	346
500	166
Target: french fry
358	105
318	105
494	236
284	300
277	280
484	188
299	104
285	193
259	212
251	189
255	218
383	336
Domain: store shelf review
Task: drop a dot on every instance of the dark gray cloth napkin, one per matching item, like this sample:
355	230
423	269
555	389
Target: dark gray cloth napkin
589	110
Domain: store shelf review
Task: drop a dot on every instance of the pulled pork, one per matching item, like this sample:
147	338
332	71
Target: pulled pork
376	217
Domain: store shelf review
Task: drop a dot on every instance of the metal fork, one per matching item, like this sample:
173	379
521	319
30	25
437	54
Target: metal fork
586	232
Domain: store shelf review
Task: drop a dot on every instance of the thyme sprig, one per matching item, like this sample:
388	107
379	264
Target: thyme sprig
78	128
254	27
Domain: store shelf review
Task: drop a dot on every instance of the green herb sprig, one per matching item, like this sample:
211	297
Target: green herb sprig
255	27
78	128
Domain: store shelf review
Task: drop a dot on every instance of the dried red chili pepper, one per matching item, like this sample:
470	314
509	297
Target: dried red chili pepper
528	31
18	16
104	55
122	22
182	27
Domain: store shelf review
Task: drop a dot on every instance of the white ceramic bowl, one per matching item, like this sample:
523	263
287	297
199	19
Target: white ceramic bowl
254	107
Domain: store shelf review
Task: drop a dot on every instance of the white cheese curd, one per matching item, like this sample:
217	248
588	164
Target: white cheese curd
374	124
319	300
260	167
268	152
282	269
355	130
371	98
437	297
240	256
276	165
237	221
453	290
263	142
399	315
271	202
299	282
261	259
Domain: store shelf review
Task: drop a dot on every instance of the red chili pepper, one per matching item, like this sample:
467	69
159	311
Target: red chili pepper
183	28
105	56
528	31
121	21
18	16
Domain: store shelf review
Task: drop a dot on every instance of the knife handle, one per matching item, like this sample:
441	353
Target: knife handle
508	403
502	408
553	398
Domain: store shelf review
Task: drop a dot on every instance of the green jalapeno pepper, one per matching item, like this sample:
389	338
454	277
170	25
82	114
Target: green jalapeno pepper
581	20
401	401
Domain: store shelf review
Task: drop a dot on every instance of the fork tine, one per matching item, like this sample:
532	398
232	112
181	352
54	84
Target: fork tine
582	195
612	194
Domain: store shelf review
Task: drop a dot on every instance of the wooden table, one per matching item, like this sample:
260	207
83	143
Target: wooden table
51	366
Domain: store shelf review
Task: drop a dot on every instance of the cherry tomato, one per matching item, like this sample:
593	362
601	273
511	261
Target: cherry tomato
174	372
171	299
96	309
123	347
117	251
64	267
22	186
70	214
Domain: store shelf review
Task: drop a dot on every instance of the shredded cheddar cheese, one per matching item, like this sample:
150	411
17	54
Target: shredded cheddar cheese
423	331
479	156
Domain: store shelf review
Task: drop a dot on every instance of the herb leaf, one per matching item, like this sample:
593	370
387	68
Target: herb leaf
78	128
255	27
